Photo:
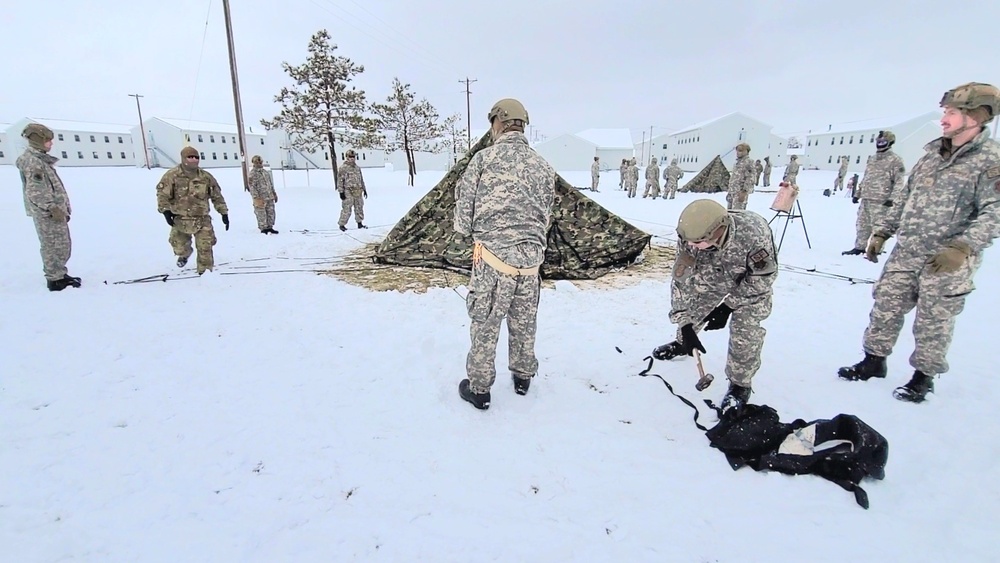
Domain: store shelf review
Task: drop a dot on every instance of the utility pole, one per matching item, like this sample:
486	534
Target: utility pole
642	148
142	129
650	141
241	132
468	107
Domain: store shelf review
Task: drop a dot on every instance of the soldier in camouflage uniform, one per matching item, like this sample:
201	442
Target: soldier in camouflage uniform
622	174
182	196
671	175
725	266
595	174
351	185
767	171
758	169
883	178
633	177
741	180
946	215
264	196
792	170
652	179
838	184
504	202
47	203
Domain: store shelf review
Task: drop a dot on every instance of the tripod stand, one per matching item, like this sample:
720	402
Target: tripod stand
794	213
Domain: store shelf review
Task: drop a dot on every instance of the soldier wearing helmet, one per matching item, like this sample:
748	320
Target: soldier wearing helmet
758	168
883	178
767	171
671	175
742	179
264	196
353	193
725	266
632	177
944	217
622	174
652	179
47	203
503	202
838	184
792	170
595	174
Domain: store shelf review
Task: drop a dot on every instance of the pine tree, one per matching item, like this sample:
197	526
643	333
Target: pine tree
321	107
457	137
414	125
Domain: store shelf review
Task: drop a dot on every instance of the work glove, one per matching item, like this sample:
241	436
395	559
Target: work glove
887	203
225	220
57	213
718	318
364	193
169	216
875	244
276	197
343	196
950	259
690	341
854	200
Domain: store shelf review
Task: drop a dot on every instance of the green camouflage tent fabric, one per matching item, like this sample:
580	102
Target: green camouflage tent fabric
712	178
585	240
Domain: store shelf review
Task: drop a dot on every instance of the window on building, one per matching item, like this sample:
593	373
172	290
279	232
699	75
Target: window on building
842	140
1	154
362	156
211	138
76	138
92	139
326	156
79	154
200	140
851	141
833	140
664	146
858	161
187	138
861	139
214	157
234	140
109	156
223	138
225	155
123	156
872	140
830	160
64	155
95	155
202	155
236	156
60	136
120	141
107	139
262	141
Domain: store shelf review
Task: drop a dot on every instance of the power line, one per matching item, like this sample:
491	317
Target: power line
201	55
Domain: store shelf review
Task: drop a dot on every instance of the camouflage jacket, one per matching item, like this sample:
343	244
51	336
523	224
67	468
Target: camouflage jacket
743	176
792	170
504	200
758	168
349	177
767	169
883	176
842	173
633	172
43	189
653	173
261	186
673	173
741	272
947	198
595	169
187	193
623	170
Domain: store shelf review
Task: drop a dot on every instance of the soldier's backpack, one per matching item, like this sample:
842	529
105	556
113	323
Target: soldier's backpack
826	192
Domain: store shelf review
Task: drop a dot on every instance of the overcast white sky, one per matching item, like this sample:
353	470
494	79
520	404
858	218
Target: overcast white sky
575	65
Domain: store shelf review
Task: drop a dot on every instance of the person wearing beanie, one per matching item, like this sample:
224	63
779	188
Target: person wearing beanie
47	203
883	177
943	218
264	196
182	197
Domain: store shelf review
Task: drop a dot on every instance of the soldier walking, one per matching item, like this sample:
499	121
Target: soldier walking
182	196
883	177
351	185
791	171
47	203
595	174
946	216
758	168
504	202
622	174
264	196
633	177
838	184
671	175
725	266
741	180
652	179
767	171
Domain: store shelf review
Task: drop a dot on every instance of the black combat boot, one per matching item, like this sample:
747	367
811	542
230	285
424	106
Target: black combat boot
917	389
520	385
853	252
56	285
871	366
272	231
736	397
264	232
72	281
479	400
343	228
361	225
669	351
182	261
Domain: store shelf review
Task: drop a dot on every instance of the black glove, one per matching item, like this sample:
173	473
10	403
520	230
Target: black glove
365	193
718	317
343	196
887	203
169	216
854	200
689	339
225	220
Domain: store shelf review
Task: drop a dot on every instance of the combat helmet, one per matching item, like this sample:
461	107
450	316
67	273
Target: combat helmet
43	133
508	109
350	154
974	95
743	146
701	219
257	160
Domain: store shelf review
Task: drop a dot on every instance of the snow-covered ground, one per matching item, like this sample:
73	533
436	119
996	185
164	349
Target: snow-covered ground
293	417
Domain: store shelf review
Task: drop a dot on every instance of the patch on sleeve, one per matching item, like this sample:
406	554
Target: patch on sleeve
993	172
759	259
996	187
36	176
682	264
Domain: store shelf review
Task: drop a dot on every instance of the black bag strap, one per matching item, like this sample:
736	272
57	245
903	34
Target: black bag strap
697	413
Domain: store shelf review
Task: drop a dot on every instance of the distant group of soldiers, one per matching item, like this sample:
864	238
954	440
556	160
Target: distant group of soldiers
183	197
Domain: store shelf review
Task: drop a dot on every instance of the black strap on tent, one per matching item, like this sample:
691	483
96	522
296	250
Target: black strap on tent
697	413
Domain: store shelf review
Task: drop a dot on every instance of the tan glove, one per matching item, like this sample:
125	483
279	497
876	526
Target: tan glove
951	258
875	244
58	213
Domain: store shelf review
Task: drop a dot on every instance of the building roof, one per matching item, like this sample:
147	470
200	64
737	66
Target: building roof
209	126
608	138
867	124
82	126
701	124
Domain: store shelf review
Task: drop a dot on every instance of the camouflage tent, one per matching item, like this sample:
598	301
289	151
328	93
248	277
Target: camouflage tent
712	178
585	240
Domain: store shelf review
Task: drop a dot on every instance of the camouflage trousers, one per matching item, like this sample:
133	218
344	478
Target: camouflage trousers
492	297
204	239
838	184
767	180
264	214
756	180
621	182
56	246
866	220
594	180
670	188
791	178
652	188
632	187
354	201
746	337
938	299
737	200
